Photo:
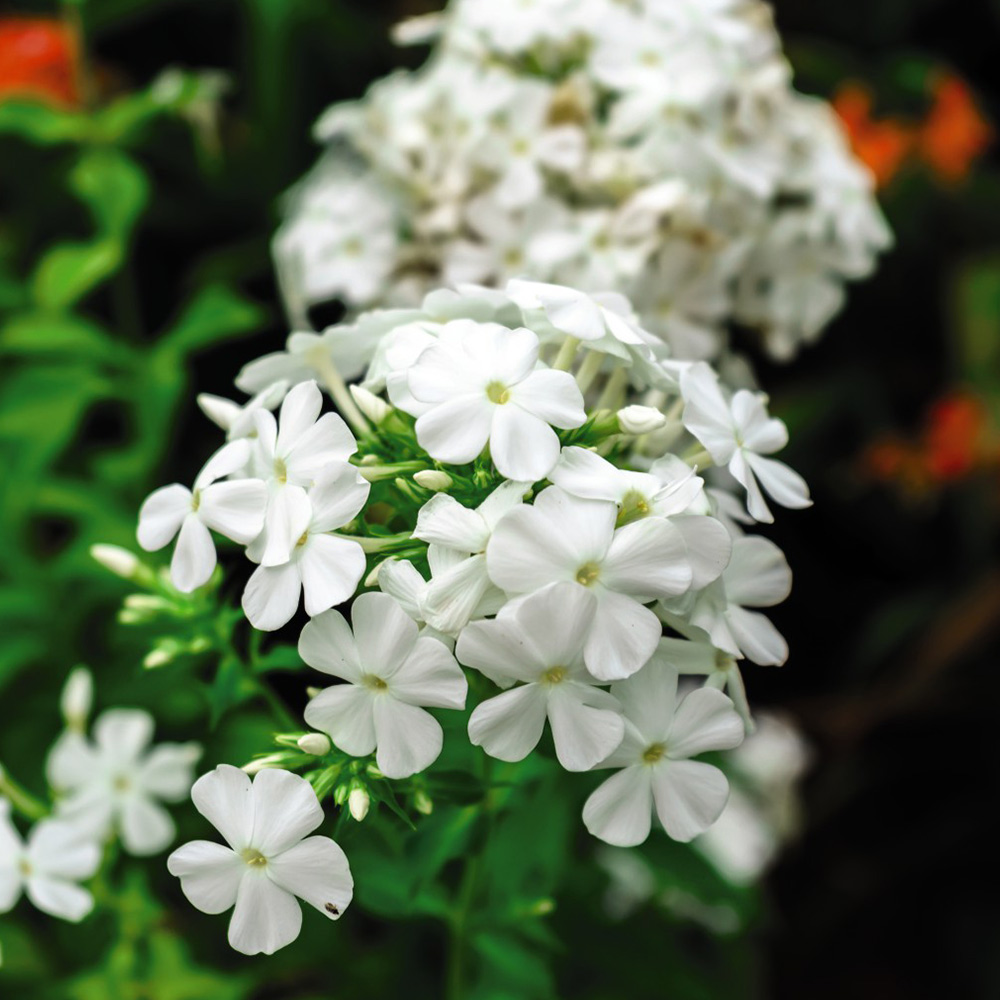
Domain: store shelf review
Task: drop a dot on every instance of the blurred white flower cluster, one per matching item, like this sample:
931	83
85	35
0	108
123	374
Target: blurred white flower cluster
651	147
535	510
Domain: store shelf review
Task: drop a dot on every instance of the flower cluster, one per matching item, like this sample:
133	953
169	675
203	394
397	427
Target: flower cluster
654	147
528	493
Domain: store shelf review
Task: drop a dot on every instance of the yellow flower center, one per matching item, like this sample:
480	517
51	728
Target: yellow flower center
253	857
302	541
497	392
587	574
196	500
555	675
280	470
374	683
653	754
634	507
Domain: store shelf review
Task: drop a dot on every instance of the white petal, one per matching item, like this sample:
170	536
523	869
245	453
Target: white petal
235	508
401	581
430	677
228	459
265	918
498	649
59	898
285	810
584	473
509	725
328	440
225	798
687	657
505	497
10	883
316	871
346	715
647	559
758	432
161	515
553	396
705	720
522	445
554	621
62	851
146	827
583	734
409	739
743	474
383	632
71	761
271	596
622	637
456	431
339	494
331	569
444	521
757	637
709	547
784	485
210	874
194	556
288	515
327	644
166	771
689	796
620	810
758	573
123	733
451	597
649	699
298	414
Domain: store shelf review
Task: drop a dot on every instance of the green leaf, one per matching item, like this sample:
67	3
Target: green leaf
67	272
114	187
975	314
42	124
217	313
42	334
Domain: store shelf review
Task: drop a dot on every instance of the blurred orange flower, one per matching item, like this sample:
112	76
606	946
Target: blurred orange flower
882	144
38	59
954	132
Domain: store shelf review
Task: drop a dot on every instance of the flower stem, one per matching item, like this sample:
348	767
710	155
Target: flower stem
700	459
369	544
614	390
566	354
23	801
373	473
588	369
334	383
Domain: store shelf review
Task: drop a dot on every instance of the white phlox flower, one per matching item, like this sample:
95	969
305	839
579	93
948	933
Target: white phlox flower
269	861
117	782
479	384
47	867
738	433
289	454
234	508
758	576
237	419
564	538
460	588
393	674
323	568
662	732
541	645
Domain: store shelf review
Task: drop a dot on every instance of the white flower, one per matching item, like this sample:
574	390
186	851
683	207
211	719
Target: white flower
737	434
637	419
460	588
661	733
563	538
234	508
758	576
236	419
116	782
269	861
392	674
479	385
541	644
290	454
325	569
48	867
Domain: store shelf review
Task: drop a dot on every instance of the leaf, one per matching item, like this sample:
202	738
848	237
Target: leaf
70	270
215	314
40	333
113	186
41	123
511	965
975	316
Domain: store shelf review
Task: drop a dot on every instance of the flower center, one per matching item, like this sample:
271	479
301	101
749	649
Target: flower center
374	683
253	857
196	499
302	541
653	754
554	675
353	247
280	470
634	507
587	574
497	392
121	783
24	867
723	661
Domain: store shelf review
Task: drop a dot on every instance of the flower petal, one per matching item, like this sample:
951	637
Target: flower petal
444	521
689	796
647	559
430	677
756	636
225	798
554	622
456	431
161	515
552	396
317	871
583	734
61	850
522	445
345	714
123	733
709	547
288	515
265	918
331	569
705	720
210	874
338	495
619	811
409	739
509	725
146	827
622	637
384	634
299	411
271	596
649	699
498	649
451	597
59	898
235	508
194	556
327	644
785	485
285	810
166	771
758	573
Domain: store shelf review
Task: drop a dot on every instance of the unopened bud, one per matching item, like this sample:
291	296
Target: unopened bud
259	763
367	460
422	802
314	743
119	561
371	580
358	802
158	657
77	697
374	408
340	794
146	603
313	691
640	419
433	479
542	907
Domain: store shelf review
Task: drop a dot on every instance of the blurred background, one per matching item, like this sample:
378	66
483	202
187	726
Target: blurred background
135	273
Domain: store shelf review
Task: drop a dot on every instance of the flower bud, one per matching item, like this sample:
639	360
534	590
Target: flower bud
422	802
158	657
259	763
314	743
637	419
313	691
119	561
433	479
77	697
371	580
374	408
358	802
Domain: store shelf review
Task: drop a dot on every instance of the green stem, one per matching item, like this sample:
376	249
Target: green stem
589	369
337	388
373	473
566	354
369	544
702	459
23	801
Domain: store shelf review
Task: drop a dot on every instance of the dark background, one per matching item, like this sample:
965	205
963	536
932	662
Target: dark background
893	621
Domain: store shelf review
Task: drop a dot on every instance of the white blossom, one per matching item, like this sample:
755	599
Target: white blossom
393	674
269	861
237	419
